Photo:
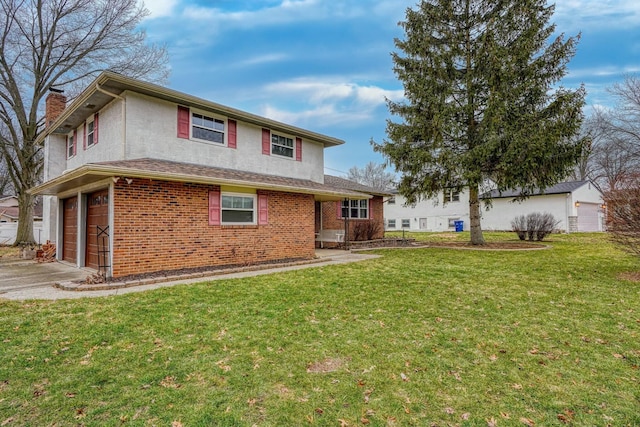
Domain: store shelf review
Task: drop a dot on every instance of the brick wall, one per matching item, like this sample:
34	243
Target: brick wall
165	226
331	221
55	104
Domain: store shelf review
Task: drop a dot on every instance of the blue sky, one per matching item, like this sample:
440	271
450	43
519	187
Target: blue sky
325	65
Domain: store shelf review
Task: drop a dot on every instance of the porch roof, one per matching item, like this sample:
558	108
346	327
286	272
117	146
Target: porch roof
164	170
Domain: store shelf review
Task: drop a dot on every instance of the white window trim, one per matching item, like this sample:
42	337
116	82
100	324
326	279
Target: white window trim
402	222
225	133
71	135
448	196
87	134
284	135
247	195
389	223
359	209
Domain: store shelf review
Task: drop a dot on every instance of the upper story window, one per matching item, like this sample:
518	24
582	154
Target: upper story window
71	144
281	145
91	131
207	128
355	209
451	196
203	126
91	136
392	200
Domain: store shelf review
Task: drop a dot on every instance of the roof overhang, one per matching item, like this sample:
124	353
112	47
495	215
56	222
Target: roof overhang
109	85
92	172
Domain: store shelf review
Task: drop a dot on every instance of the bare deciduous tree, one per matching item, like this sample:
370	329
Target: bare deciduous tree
61	43
374	175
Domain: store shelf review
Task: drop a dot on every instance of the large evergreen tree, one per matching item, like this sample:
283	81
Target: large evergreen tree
480	104
62	43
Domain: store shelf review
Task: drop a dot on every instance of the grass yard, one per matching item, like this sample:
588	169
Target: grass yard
424	337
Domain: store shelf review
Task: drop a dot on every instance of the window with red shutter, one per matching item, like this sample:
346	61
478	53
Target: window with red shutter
298	149
263	209
266	141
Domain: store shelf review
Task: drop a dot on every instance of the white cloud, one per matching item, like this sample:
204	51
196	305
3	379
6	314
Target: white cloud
327	102
263	59
160	8
317	92
583	15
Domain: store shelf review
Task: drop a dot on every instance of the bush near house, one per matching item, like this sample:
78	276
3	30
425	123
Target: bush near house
534	226
366	230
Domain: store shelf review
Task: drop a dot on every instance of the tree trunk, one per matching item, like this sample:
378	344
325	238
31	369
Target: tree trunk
474	216
25	218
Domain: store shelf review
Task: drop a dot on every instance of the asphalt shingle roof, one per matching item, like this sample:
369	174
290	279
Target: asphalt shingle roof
560	188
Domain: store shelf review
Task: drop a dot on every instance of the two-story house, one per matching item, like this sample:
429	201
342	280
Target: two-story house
140	178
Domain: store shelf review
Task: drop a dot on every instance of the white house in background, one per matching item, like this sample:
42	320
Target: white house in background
577	205
428	215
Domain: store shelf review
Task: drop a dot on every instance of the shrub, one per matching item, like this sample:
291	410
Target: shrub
366	230
623	219
534	226
519	225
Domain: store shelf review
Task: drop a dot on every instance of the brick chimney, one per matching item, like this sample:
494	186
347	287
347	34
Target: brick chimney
56	102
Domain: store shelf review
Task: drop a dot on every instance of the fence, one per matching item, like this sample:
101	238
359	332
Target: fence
9	230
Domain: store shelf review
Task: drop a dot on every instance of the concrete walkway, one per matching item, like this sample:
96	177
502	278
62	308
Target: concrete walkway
19	287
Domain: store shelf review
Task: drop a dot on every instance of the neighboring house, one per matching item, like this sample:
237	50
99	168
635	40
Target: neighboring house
577	205
140	178
9	215
429	214
9	211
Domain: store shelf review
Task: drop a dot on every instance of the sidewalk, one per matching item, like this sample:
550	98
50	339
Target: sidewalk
49	292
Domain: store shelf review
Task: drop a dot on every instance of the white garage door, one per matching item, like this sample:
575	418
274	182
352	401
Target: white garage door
588	218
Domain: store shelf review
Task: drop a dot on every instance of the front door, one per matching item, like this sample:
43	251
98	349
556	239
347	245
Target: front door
97	216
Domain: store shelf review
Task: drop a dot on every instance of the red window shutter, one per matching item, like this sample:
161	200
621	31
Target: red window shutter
339	210
263	209
298	149
266	141
75	141
370	208
95	129
183	122
214	207
84	136
232	137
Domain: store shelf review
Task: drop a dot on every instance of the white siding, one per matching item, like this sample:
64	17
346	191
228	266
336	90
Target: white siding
152	132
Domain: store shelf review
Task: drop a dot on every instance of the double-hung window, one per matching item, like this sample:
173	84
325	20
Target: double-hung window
207	128
406	223
91	133
281	145
355	209
451	196
238	208
391	223
71	145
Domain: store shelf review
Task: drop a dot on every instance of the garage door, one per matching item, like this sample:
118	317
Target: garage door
70	230
97	216
588	219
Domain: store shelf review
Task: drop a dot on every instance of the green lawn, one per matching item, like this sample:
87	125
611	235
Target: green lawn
421	337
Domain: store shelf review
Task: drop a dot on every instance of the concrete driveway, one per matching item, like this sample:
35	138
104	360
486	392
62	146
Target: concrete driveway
17	274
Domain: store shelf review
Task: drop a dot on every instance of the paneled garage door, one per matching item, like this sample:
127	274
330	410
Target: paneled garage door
97	215
588	219
70	229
